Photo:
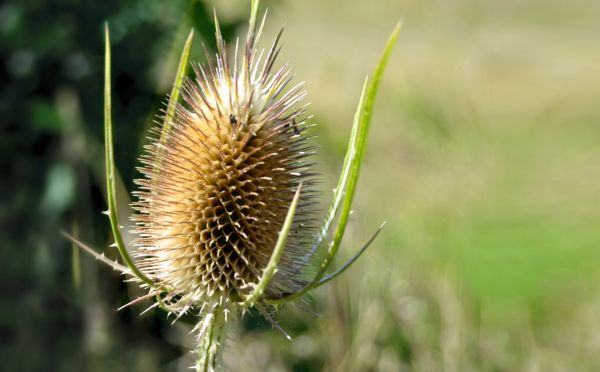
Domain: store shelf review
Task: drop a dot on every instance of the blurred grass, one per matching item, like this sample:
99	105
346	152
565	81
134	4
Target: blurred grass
484	155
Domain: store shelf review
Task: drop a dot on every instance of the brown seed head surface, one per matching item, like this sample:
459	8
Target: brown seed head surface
216	191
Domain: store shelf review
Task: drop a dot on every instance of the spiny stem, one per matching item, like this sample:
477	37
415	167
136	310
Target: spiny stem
210	340
99	256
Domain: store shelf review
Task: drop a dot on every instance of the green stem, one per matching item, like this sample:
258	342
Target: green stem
211	340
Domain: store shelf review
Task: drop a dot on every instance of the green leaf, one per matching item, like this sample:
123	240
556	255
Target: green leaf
352	260
346	189
362	123
277	252
111	173
175	91
342	185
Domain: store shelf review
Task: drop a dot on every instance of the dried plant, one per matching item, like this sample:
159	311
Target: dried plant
225	212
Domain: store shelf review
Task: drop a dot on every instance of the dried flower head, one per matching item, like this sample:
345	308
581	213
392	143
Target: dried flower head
224	213
217	189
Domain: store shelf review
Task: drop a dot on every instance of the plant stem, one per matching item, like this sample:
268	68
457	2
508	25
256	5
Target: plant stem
211	340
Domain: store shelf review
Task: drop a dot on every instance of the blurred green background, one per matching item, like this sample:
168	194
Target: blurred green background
484	156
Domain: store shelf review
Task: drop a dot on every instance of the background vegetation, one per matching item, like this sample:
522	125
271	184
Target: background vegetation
484	157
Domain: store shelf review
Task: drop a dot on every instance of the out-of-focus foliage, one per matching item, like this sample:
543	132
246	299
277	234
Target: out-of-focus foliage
484	155
58	310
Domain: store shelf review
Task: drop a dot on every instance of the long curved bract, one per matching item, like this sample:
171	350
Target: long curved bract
344	193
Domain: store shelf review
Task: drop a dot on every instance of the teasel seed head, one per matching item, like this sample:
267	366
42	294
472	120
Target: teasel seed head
224	211
217	187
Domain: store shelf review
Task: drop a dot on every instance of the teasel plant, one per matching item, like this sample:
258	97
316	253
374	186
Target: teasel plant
225	213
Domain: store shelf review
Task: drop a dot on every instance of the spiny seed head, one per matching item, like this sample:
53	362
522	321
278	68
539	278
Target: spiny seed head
216	190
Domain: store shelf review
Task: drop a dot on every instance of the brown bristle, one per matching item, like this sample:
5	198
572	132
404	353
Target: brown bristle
217	189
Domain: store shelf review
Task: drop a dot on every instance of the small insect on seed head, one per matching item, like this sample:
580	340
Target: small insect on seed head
232	120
